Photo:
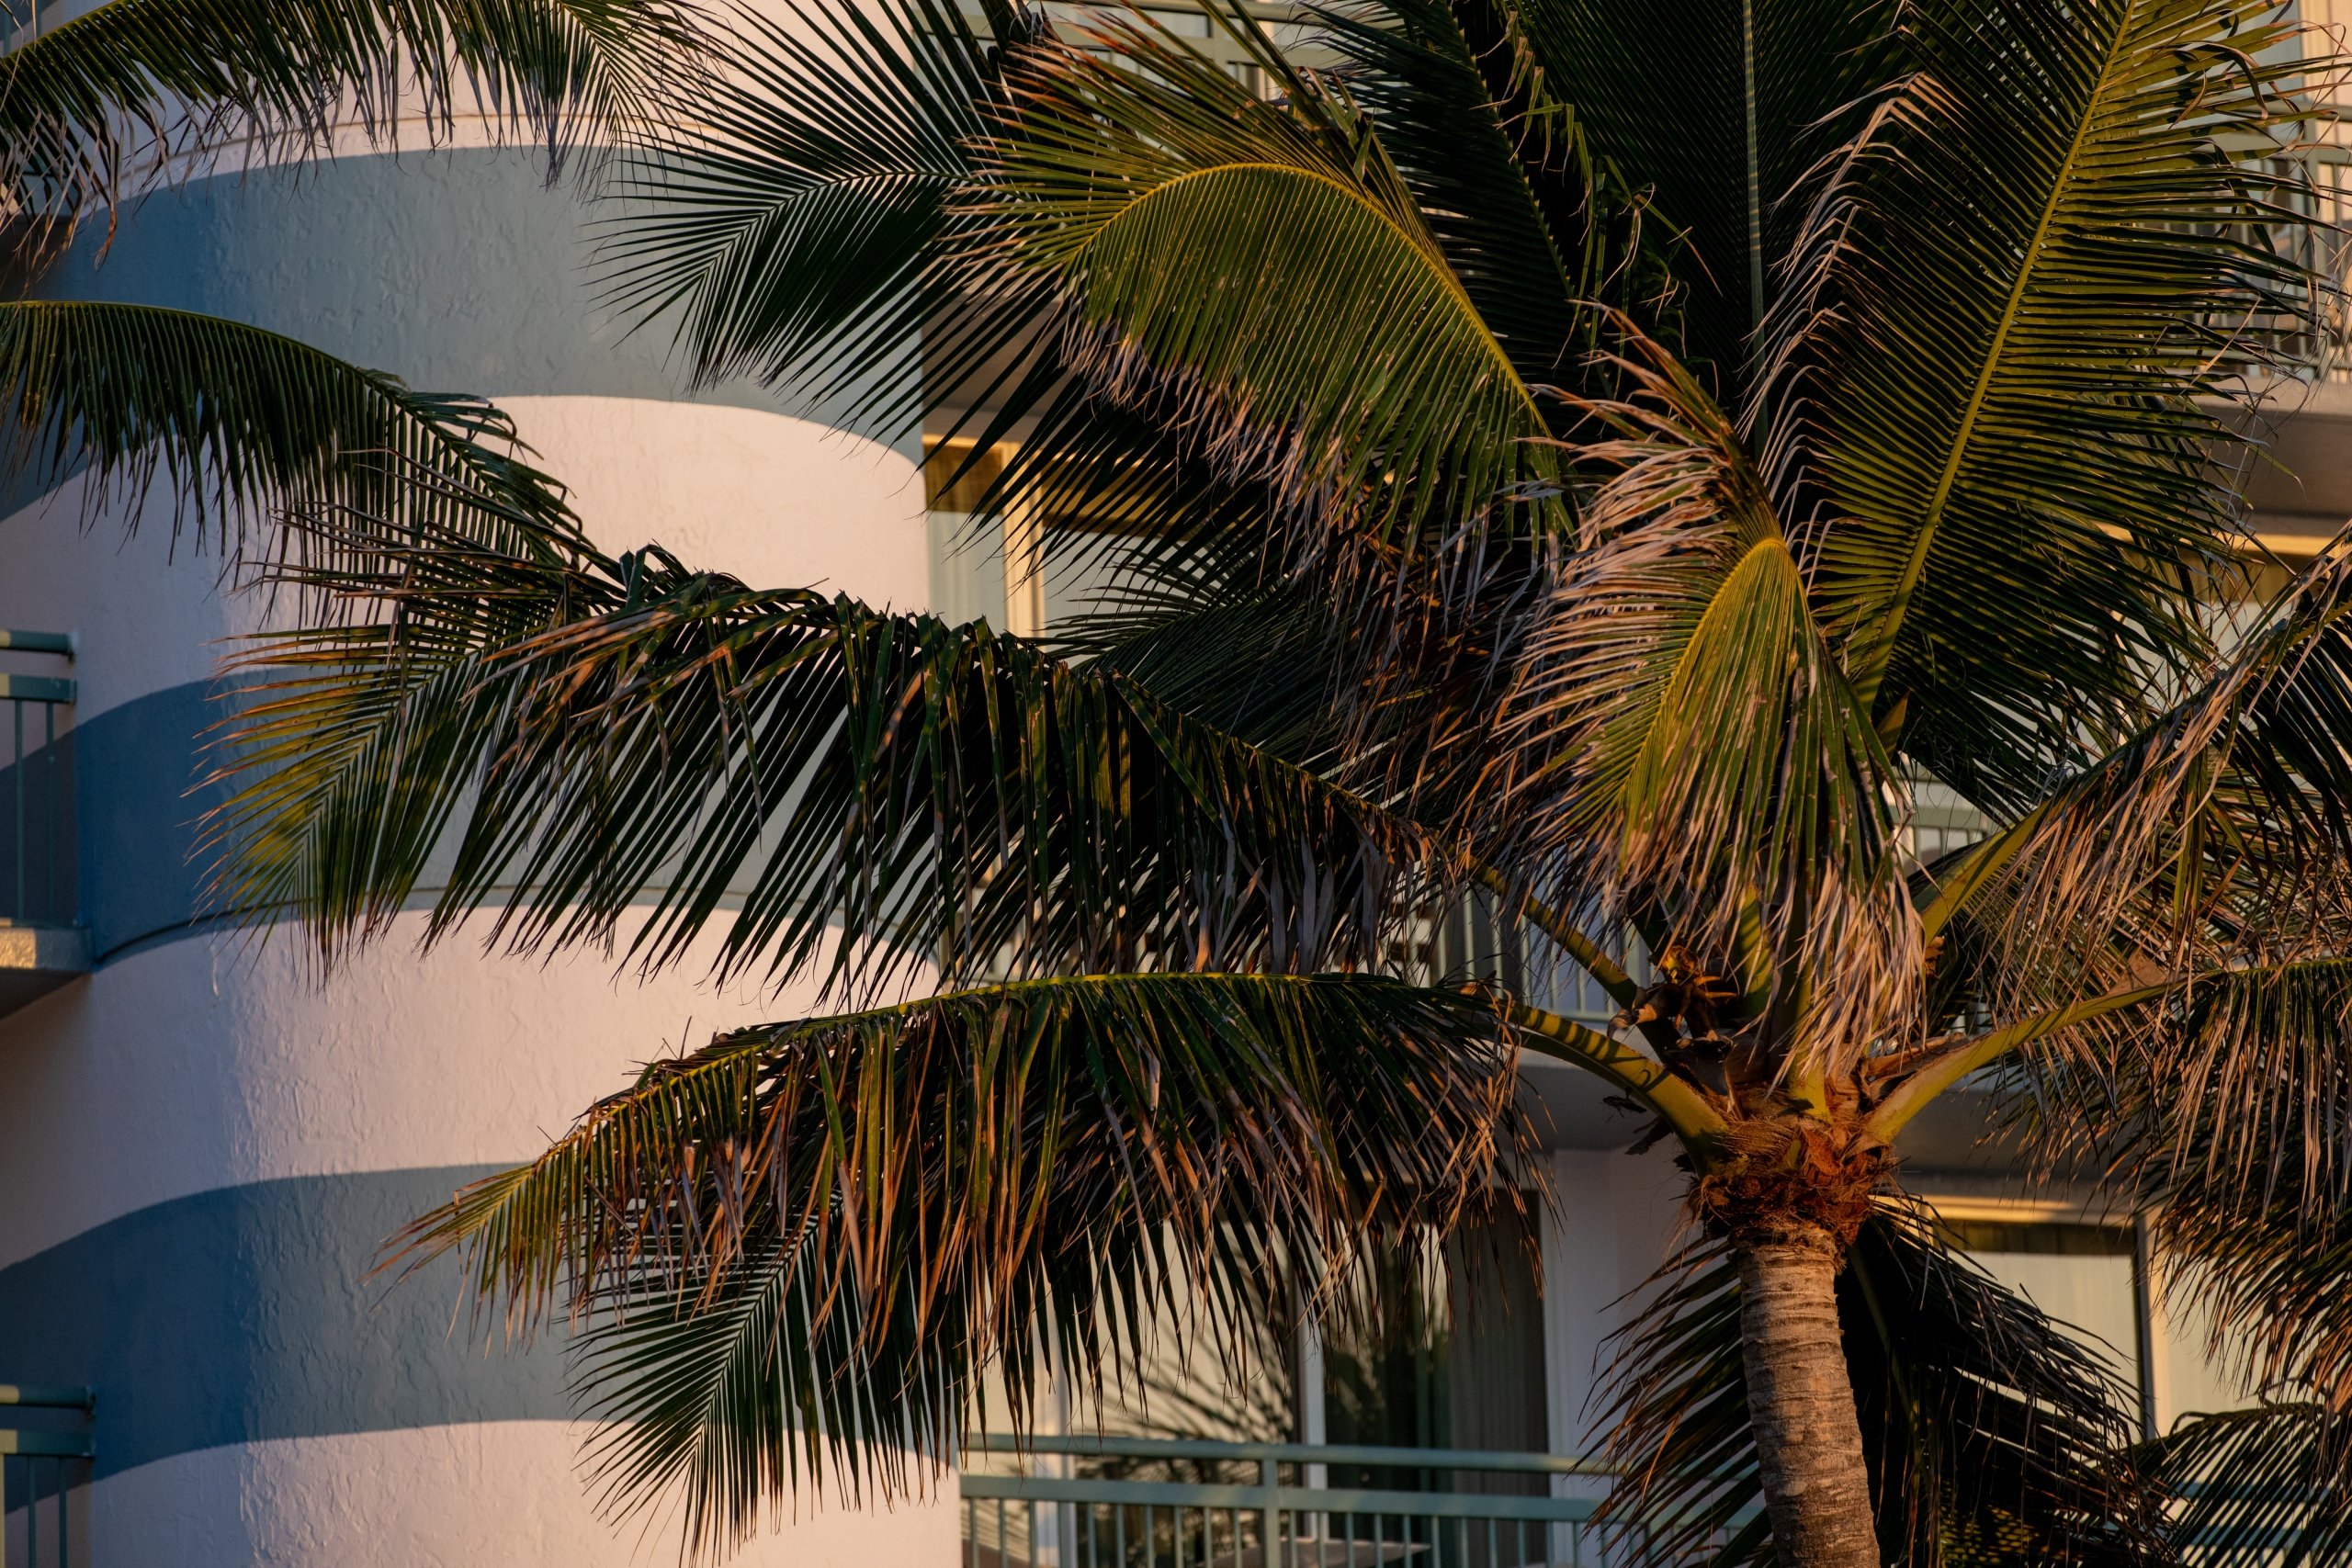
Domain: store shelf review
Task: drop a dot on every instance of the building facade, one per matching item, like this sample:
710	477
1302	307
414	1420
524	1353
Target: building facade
203	1143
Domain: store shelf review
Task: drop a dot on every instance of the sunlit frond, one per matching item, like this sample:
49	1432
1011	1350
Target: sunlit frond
1694	745
1207	241
2068	232
814	1232
1514	205
2214	836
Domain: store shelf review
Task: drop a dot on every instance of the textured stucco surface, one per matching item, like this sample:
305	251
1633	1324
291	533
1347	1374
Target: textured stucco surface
457	270
210	1062
252	1312
778	500
484	1495
205	1141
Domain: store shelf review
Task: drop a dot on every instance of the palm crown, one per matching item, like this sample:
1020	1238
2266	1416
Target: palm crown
1608	466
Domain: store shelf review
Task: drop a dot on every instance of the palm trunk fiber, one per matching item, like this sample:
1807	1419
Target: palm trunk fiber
1800	1401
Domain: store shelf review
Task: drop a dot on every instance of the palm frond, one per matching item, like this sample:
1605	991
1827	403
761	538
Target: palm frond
1205	241
1512	205
799	223
740	1392
1265	663
2227	1114
589	741
236	422
2213	839
101	107
2063	234
1709	125
834	1222
1379	665
1992	1436
1690	741
2262	1485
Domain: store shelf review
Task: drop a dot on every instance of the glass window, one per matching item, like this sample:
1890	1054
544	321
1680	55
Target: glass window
2079	1274
2083	1276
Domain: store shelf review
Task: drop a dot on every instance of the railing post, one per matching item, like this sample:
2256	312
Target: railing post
1270	1517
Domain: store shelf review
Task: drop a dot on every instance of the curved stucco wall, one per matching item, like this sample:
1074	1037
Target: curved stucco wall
203	1145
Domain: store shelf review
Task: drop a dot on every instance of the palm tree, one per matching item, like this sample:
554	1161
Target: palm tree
1608	466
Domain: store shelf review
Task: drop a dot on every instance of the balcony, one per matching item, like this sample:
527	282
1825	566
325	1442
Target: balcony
1169	1503
44	1475
41	947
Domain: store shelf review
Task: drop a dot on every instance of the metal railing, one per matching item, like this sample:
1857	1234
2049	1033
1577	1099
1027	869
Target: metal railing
2322	341
41	1469
36	789
1499	1511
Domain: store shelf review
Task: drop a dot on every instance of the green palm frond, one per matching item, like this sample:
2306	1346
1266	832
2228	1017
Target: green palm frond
799	223
1709	123
1262	662
597	740
100	106
1693	741
2258	1485
1512	205
2067	230
838	1219
1206	240
235	422
1992	1436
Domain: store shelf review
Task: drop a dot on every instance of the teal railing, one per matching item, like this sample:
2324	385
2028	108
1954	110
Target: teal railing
42	1468
1043	1502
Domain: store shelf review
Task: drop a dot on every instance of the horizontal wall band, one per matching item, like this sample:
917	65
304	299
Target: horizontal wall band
118	788
459	270
250	1312
193	1064
124	790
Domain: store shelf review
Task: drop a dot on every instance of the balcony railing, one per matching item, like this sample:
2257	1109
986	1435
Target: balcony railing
35	788
1118	1504
41	947
42	1468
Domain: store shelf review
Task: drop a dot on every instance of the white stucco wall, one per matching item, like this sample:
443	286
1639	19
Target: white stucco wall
197	1080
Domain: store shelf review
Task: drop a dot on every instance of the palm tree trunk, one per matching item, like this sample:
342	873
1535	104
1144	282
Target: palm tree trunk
1800	1403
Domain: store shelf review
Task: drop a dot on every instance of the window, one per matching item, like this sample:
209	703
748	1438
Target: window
2088	1273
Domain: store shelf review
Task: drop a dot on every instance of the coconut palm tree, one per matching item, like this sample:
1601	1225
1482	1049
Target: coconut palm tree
1603	463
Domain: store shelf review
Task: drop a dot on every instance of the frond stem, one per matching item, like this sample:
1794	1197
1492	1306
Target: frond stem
1987	858
1680	1104
1948	1067
1564	935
